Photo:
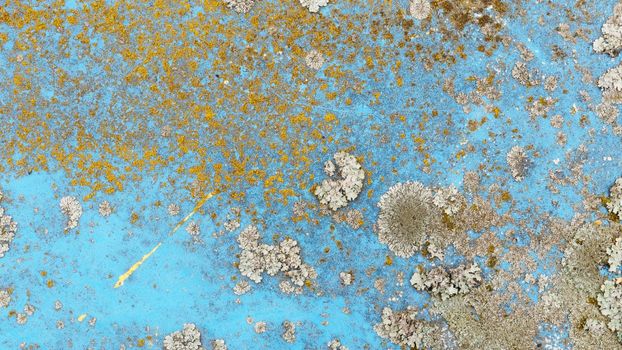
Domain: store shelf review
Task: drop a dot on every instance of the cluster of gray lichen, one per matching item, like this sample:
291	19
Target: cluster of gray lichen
336	191
497	314
72	209
257	258
446	283
406	328
415	218
189	338
8	227
610	82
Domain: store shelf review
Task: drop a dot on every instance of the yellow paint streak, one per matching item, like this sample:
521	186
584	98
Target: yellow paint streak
81	317
196	208
135	267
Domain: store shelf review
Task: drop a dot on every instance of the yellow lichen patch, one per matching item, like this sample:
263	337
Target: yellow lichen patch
224	131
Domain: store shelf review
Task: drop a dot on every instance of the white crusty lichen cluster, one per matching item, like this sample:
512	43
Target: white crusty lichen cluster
611	40
335	344
257	258
615	255
347	278
8	227
445	283
610	303
105	209
173	209
5	298
449	200
404	328
611	43
314	59
189	338
610	298
420	9
72	209
411	214
519	162
614	205
219	344
313	5
289	331
240	6
337	192
241	287
611	85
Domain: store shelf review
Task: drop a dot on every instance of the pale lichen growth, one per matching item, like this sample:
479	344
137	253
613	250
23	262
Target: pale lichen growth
193	229
610	302
615	255
257	258
233	219
173	209
315	60
615	198
335	344
346	278
574	291
519	163
557	121
354	219
240	6
219	344
596	327
471	181
313	5
241	287
260	327
608	112
232	225
446	283
189	338
289	332
29	309
611	85
420	9
5	298
72	209
550	83
21	319
8	228
449	200
336	193
404	328
611	40
105	209
521	73
407	217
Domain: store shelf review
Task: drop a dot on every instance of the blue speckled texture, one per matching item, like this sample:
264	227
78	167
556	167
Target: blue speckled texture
185	282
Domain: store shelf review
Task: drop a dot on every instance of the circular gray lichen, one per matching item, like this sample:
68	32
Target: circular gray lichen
407	217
